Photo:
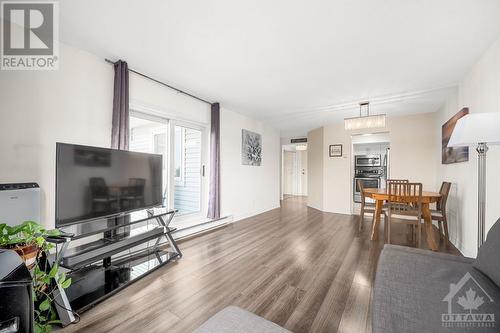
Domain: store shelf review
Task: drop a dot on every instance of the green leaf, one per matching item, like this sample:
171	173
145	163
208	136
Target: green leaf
39	328
45	305
40	241
14	230
66	283
53	271
53	232
61	278
53	315
37	270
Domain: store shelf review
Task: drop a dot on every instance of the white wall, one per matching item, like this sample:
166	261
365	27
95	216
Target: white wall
74	105
480	92
40	108
151	97
413	156
248	190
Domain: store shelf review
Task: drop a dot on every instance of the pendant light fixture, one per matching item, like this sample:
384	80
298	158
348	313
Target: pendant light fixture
364	122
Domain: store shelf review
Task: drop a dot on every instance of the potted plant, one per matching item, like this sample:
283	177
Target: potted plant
29	241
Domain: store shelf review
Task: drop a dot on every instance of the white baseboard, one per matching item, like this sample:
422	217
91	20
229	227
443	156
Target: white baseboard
236	218
185	232
330	211
314	207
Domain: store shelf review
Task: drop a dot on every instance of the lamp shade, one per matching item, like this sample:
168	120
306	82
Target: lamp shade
376	121
476	128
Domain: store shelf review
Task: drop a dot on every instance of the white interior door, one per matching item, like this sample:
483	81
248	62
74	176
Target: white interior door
289	171
302	172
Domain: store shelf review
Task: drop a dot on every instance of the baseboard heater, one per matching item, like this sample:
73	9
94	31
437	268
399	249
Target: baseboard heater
182	234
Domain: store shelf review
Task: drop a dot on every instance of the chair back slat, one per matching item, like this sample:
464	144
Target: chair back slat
405	198
444	191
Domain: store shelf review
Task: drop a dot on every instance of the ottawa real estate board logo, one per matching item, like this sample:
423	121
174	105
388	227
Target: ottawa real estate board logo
29	35
469	305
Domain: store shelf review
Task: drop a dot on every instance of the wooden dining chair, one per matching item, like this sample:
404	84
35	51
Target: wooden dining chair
439	214
366	207
405	206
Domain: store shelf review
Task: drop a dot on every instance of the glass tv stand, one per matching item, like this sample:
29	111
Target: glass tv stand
102	257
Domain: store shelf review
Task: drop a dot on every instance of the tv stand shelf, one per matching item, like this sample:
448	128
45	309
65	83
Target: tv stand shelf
101	267
97	282
90	228
86	254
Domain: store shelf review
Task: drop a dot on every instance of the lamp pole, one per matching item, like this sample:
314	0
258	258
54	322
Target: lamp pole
481	149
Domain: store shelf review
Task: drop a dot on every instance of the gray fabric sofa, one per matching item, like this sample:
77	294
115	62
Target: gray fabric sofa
235	320
423	291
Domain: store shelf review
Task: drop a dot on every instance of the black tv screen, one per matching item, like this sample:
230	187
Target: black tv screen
94	182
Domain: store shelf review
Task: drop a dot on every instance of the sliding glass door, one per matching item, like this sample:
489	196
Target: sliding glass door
183	147
187	169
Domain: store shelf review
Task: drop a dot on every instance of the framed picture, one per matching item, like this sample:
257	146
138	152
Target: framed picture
251	148
335	150
451	155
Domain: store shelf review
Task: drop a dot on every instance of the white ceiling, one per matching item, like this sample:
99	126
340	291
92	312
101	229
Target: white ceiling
295	64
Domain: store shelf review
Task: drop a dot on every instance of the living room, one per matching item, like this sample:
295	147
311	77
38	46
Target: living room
245	167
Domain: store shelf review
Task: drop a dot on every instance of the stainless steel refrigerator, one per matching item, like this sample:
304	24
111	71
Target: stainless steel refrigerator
387	167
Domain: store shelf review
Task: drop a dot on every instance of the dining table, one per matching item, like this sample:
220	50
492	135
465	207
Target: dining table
381	195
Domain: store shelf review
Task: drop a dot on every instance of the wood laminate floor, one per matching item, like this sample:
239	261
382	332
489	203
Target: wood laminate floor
298	267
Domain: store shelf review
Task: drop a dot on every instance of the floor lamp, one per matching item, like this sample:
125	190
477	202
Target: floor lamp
481	129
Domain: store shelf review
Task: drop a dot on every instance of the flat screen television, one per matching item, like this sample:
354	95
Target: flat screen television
94	183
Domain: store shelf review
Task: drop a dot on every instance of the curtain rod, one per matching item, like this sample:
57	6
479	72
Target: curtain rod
162	83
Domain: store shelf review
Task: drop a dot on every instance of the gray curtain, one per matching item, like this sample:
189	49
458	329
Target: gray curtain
214	187
120	130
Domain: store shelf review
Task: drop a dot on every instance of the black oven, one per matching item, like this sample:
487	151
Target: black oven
368	182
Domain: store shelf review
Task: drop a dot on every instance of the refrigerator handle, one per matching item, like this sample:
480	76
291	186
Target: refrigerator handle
387	163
